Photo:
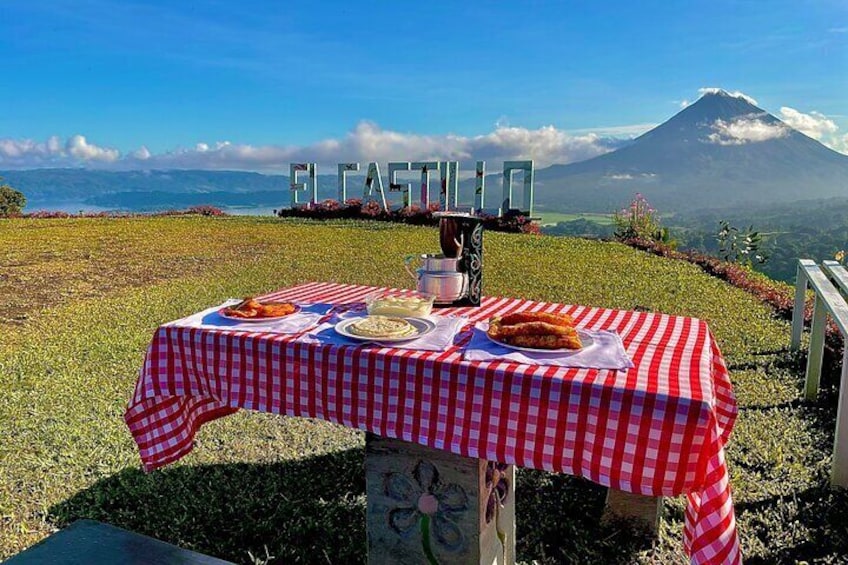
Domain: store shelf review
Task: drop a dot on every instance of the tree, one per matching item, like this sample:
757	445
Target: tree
11	201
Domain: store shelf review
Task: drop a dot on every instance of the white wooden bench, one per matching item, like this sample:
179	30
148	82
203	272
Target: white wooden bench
829	283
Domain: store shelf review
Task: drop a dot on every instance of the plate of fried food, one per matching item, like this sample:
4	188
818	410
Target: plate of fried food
538	331
252	310
385	328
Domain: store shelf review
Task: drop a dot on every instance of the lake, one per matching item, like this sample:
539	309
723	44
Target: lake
82	207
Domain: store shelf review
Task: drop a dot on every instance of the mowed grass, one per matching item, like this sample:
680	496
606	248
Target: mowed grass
82	298
552	218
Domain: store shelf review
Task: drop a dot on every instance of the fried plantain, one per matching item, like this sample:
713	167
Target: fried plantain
533	328
538	330
276	309
545	341
563	320
252	308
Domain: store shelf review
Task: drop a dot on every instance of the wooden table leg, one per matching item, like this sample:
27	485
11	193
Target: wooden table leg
645	510
429	506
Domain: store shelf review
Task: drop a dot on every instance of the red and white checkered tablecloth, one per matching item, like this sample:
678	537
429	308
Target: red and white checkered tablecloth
658	429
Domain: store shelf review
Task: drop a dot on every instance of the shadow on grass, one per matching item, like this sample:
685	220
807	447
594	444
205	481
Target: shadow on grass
793	404
801	523
313	511
821	532
304	511
771	360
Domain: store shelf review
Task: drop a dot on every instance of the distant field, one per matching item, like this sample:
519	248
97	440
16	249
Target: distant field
550	218
81	298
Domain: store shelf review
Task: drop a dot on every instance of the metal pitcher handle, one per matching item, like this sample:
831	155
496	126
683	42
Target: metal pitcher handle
407	261
460	244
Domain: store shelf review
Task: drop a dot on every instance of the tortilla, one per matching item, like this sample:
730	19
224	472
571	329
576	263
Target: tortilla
382	326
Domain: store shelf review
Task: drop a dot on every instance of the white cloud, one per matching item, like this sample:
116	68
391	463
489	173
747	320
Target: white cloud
141	154
26	153
749	129
78	147
814	124
628	131
365	142
683	103
735	93
839	143
628	176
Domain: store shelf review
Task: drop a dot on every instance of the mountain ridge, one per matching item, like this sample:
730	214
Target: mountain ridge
685	163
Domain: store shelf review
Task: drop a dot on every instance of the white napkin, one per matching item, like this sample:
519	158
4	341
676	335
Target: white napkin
606	352
438	340
308	316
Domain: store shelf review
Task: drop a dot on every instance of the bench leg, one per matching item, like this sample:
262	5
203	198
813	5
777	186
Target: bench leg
427	505
839	468
816	354
645	510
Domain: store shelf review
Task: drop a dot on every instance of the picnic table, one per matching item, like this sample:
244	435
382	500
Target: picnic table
444	434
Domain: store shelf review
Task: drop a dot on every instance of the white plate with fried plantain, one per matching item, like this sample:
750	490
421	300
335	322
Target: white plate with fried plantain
541	343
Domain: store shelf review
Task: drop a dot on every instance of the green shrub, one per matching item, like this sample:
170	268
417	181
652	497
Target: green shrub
11	201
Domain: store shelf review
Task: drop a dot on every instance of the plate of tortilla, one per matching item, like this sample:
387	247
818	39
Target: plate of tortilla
385	329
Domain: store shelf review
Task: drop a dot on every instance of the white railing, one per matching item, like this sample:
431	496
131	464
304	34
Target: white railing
828	282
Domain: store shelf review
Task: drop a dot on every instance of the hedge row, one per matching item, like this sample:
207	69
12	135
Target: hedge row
780	296
355	209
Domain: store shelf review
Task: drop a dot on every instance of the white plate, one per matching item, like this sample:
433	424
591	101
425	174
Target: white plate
422	326
257	319
585	339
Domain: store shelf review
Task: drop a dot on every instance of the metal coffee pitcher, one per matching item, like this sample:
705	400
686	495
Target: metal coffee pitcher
439	276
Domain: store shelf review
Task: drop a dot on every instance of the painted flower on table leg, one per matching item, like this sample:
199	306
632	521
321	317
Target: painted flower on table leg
497	485
424	501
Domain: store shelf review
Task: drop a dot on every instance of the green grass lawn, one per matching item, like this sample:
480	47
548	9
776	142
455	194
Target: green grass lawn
80	299
552	218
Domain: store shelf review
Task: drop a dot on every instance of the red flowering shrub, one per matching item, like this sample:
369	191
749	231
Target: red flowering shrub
410	211
46	215
372	209
205	210
202	210
514	222
531	228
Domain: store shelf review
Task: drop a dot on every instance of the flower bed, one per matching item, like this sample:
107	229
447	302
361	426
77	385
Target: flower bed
511	222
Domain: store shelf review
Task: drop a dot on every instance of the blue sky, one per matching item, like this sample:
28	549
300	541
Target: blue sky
103	82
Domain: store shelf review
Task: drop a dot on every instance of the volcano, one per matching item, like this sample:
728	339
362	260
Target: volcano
720	151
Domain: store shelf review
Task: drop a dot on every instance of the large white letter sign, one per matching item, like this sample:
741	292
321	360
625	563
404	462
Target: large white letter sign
343	169
394	185
480	186
373	182
294	169
509	167
449	194
425	167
